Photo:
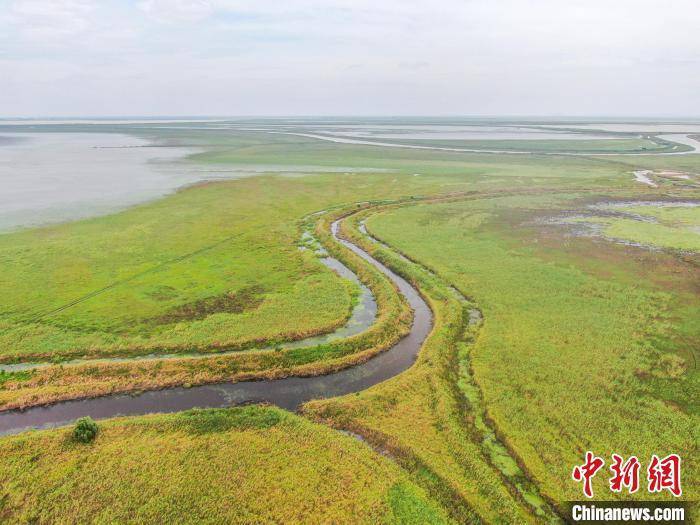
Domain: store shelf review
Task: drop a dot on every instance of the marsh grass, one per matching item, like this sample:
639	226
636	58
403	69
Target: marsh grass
560	350
190	272
56	383
674	227
420	417
206	466
567	359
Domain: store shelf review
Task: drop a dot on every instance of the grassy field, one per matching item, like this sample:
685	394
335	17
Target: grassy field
585	343
433	428
568	359
57	382
204	266
217	266
217	466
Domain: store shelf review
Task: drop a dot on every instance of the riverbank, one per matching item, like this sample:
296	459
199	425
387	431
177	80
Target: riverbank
57	383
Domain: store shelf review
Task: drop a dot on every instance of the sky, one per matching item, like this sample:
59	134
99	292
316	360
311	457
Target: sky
349	57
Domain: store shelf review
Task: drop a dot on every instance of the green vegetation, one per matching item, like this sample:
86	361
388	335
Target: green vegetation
668	213
55	383
424	421
649	234
211	466
585	344
203	269
14	376
85	430
564	353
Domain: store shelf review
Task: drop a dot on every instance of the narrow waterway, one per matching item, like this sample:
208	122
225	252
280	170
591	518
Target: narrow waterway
677	138
362	317
286	393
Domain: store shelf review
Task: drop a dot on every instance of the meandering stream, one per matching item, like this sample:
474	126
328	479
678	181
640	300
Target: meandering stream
286	393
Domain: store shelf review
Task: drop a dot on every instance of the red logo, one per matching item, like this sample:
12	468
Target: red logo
662	474
624	474
586	472
665	474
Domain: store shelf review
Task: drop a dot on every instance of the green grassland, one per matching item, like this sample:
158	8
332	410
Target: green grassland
142	278
443	169
217	266
685	163
431	425
585	344
213	266
98	377
564	354
649	234
680	215
678	227
240	465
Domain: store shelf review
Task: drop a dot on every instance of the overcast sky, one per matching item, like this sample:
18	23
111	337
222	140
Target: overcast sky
344	57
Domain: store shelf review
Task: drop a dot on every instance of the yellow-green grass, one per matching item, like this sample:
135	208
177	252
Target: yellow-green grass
241	465
58	382
563	353
683	163
528	362
225	254
442	169
125	284
668	213
132	283
422	419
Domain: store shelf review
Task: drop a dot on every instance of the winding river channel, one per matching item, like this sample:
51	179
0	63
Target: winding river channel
679	138
287	393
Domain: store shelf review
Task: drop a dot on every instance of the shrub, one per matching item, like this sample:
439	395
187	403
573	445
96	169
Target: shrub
85	430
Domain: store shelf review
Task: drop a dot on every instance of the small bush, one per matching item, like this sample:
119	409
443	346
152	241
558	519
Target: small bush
85	430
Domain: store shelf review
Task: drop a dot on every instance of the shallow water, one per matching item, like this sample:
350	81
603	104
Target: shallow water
54	177
286	393
643	177
452	132
681	138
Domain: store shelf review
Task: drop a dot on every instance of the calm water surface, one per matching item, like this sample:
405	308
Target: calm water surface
54	177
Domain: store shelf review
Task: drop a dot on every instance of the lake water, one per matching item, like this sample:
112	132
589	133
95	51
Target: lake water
48	177
53	177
